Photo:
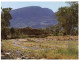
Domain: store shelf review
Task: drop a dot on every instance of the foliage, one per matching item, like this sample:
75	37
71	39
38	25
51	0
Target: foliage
12	30
68	18
5	17
3	33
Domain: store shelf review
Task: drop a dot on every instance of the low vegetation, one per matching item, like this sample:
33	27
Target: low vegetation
40	48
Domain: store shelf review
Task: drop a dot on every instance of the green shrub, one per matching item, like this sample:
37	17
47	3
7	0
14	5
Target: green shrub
60	34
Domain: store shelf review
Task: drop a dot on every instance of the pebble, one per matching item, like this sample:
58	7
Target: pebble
7	53
18	58
23	57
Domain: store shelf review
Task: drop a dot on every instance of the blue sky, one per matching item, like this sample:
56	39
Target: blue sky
51	5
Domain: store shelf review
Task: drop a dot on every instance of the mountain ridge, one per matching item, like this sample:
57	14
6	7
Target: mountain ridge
33	16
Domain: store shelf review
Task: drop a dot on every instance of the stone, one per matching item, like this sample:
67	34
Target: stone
23	57
7	53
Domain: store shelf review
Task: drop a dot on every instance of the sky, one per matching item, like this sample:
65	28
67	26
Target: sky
51	5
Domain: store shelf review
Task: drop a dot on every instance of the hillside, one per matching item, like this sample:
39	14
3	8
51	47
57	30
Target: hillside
33	16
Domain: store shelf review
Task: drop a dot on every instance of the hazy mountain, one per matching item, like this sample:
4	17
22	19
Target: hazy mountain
32	16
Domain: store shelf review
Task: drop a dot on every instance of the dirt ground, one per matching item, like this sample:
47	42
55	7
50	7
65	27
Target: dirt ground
51	47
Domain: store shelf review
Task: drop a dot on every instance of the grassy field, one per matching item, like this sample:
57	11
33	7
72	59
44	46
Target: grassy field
51	47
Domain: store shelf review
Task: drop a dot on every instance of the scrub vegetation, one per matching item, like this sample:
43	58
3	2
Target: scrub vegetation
53	42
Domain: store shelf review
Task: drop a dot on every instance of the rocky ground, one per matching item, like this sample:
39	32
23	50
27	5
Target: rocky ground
52	47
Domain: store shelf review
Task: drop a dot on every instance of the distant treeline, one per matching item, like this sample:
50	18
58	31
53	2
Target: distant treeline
31	32
28	32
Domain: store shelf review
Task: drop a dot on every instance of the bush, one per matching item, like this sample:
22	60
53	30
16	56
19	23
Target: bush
60	34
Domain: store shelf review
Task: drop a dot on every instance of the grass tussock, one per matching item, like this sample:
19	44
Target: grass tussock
36	49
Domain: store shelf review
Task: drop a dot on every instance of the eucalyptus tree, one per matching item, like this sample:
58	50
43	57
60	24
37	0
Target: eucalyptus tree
68	18
5	17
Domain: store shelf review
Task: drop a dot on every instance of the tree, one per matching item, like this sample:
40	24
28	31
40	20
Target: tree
5	17
12	30
68	18
3	33
57	29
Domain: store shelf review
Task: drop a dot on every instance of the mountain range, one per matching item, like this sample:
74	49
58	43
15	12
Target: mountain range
32	16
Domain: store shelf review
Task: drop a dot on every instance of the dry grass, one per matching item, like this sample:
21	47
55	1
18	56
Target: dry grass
57	47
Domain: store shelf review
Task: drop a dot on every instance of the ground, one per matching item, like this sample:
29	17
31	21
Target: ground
51	47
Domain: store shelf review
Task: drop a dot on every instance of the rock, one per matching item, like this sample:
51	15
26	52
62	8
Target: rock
32	58
2	56
18	58
7	53
23	57
27	57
